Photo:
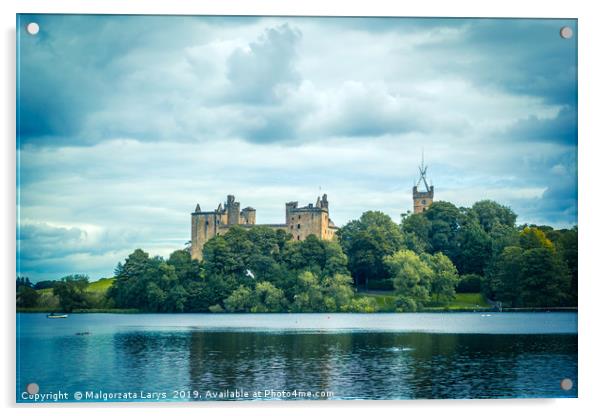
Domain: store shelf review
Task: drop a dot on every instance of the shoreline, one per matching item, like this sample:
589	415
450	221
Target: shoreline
426	310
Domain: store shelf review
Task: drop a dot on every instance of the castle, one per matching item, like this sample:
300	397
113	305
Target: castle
300	222
422	199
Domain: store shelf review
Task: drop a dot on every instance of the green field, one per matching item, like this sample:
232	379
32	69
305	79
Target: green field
462	301
101	285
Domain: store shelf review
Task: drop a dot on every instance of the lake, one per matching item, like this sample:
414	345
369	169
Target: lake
182	357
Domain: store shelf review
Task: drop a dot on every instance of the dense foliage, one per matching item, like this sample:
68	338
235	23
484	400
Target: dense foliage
256	270
421	263
524	266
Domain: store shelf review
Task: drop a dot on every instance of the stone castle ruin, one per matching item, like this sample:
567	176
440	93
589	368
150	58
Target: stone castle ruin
300	222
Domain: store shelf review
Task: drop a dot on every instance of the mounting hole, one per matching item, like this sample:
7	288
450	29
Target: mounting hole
566	384
566	32
32	388
33	28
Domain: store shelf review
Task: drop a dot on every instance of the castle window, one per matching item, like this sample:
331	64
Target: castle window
424	202
206	222
298	238
291	227
299	216
298	226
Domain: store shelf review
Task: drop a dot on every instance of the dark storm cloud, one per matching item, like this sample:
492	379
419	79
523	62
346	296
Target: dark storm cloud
561	129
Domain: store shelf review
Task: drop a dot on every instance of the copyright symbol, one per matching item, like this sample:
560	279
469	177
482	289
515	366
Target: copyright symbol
77	395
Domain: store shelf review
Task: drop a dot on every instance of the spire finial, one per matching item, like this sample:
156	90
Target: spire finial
422	169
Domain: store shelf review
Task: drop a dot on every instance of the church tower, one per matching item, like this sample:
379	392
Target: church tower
423	198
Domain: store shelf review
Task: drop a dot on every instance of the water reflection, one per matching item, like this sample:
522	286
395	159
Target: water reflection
353	365
385	366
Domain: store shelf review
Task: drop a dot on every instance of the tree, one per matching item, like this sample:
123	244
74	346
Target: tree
445	219
412	277
338	292
489	214
186	268
470	283
149	284
416	230
474	248
44	284
504	277
308	295
269	298
241	300
27	297
366	242
445	276
71	291
533	237
545	278
23	282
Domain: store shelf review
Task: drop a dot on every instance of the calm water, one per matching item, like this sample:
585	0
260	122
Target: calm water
297	356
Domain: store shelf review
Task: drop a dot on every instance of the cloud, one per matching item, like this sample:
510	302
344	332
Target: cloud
562	128
257	70
123	129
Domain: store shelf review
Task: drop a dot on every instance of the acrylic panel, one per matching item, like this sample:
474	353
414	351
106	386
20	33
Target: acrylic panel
295	208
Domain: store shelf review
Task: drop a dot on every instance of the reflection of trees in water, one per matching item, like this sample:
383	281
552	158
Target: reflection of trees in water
352	365
375	365
260	361
148	360
476	365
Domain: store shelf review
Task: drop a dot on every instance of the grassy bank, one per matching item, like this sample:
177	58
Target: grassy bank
385	301
461	302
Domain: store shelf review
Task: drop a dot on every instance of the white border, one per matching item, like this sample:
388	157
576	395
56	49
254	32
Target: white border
590	71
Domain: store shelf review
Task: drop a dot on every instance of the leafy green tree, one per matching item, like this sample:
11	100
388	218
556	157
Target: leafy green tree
211	290
474	250
338	292
185	267
567	244
71	291
412	277
533	275
219	258
241	300
470	283
366	242
27	297
44	284
147	283
504	277
445	219
545	278
308	294
444	278
503	236
269	298
490	213
23	282
416	230
362	305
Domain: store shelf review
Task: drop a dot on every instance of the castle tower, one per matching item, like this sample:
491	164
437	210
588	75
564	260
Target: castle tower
423	198
204	225
233	210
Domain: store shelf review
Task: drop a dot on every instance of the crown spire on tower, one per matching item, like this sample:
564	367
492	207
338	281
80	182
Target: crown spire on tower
422	169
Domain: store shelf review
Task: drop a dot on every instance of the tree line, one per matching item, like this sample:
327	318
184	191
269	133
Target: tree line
423	261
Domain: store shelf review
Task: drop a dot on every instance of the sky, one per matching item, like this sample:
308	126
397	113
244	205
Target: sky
125	123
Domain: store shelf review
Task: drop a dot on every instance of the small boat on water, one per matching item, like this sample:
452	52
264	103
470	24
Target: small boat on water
56	315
